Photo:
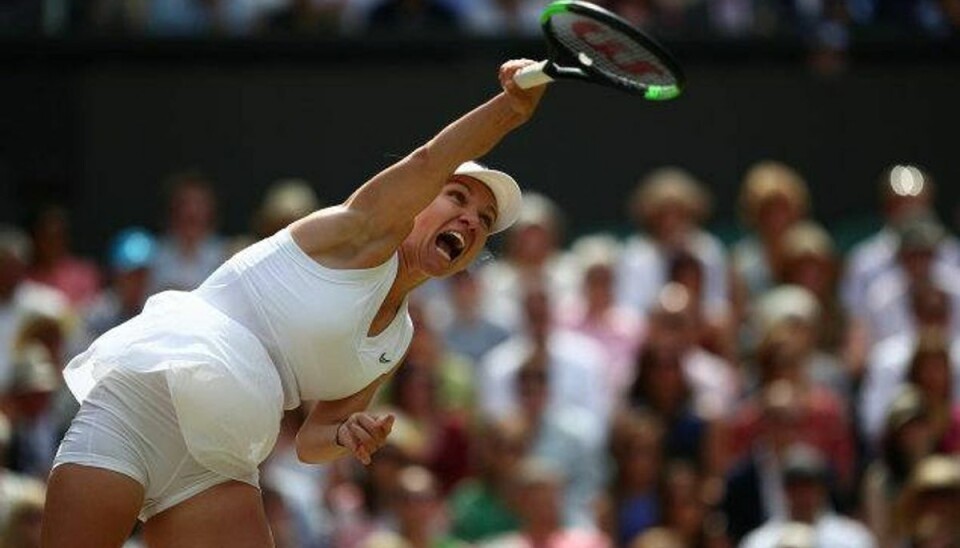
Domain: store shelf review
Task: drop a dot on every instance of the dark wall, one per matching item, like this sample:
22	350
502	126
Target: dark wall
103	130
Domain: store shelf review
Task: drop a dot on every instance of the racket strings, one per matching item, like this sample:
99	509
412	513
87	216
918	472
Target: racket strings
611	52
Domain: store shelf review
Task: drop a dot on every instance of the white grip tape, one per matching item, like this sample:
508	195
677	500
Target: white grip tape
532	76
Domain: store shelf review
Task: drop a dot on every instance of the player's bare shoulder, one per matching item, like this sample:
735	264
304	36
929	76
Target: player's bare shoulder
335	236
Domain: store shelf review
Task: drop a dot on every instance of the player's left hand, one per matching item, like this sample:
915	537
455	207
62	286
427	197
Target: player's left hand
364	433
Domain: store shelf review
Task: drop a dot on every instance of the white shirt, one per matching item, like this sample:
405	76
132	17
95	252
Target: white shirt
878	254
642	272
575	370
887	306
831	531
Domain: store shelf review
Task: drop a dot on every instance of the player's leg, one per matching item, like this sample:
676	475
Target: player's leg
227	514
89	507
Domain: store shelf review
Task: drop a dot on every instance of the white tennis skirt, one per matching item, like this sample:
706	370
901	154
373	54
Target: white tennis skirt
223	386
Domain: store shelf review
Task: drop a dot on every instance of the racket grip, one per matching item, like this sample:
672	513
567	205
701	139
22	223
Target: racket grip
532	76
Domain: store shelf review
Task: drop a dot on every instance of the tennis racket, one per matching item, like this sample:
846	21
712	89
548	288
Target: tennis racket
587	42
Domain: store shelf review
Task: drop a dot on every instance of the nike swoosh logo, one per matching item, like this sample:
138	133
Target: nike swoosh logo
383	358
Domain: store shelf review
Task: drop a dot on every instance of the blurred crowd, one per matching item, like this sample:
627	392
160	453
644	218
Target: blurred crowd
656	390
827	22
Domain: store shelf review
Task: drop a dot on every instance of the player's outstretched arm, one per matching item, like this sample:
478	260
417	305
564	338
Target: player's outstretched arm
369	226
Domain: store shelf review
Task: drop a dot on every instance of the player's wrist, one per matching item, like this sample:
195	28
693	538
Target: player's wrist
336	434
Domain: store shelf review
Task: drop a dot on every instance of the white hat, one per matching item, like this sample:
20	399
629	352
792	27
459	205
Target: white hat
504	188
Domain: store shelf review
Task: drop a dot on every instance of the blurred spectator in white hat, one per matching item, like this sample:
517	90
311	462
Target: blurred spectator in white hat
190	249
794	315
54	264
19	297
670	205
35	433
131	257
928	507
21	528
285	201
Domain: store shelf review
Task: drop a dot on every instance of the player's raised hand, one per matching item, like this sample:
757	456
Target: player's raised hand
523	101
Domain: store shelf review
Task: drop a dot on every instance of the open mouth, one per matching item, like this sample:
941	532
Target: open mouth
451	244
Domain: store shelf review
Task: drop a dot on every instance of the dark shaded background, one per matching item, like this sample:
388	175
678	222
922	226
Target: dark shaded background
100	124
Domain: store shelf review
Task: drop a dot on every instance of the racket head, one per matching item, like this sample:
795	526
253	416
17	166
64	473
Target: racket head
590	43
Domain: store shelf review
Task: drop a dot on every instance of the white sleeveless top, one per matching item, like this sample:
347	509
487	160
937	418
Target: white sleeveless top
312	320
269	328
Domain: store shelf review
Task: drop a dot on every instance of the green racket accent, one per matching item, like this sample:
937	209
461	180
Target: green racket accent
661	93
554	8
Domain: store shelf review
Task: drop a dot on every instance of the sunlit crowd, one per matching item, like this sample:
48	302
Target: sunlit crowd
654	389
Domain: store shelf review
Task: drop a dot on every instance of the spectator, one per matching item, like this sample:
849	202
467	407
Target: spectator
810	261
888	309
932	373
481	505
539	503
469	332
793	316
21	528
282	525
595	314
190	250
928	515
636	448
669	204
907	439
532	258
820	416
35	433
772	198
411	17
285	201
890	365
419	510
54	264
441	432
904	190
754	491
662	390
20	298
688	498
565	437
674	325
806	486
574	364
132	253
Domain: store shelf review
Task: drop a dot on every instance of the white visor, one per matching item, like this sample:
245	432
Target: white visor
504	188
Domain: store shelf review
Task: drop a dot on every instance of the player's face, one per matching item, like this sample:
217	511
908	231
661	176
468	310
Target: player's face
453	229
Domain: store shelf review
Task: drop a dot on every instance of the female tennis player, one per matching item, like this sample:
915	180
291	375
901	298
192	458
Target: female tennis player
181	403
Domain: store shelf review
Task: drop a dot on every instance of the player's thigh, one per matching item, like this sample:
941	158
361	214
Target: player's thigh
227	514
89	507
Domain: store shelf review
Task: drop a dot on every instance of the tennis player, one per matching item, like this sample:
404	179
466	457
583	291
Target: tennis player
182	403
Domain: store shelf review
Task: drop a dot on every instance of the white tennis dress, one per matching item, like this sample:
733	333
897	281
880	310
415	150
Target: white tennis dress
270	328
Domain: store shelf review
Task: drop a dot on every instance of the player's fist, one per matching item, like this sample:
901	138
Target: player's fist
364	433
522	101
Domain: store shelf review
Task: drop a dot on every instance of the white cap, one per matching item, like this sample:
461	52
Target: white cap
504	188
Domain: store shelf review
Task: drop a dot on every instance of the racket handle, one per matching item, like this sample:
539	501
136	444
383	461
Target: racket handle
532	76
